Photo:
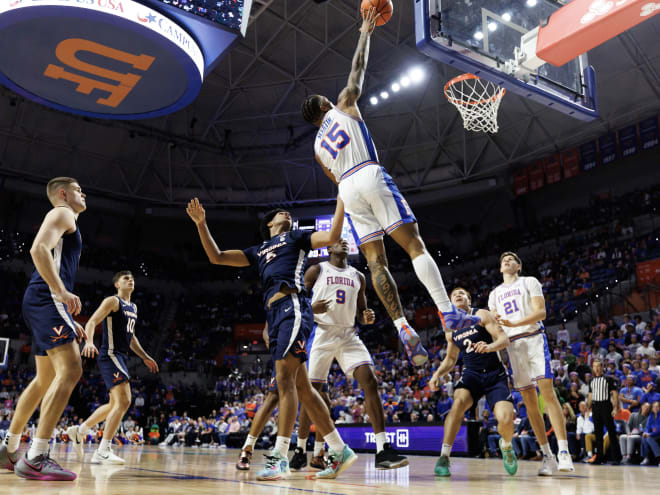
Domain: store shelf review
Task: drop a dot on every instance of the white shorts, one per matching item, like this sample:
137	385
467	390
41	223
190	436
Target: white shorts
373	204
529	358
326	344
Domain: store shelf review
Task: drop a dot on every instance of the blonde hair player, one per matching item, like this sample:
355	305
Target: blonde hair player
374	205
519	306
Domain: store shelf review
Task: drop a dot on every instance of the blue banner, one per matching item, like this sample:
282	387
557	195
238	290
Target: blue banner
404	437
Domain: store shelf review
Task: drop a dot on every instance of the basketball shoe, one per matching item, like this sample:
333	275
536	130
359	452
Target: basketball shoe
413	345
549	465
244	459
442	466
76	443
457	319
564	462
388	458
7	459
318	462
276	468
338	462
42	468
107	457
299	459
509	458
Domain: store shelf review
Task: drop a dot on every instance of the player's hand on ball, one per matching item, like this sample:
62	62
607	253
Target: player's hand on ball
369	20
90	350
321	306
151	364
481	347
80	332
368	316
196	211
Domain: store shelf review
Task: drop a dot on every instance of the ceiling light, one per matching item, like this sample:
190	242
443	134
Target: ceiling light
395	87
384	95
506	16
405	81
373	100
479	35
416	74
531	3
492	26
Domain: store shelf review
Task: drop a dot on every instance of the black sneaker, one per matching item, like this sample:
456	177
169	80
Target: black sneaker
388	458
299	460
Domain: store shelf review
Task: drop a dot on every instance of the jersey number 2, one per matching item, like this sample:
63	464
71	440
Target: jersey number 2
338	137
468	346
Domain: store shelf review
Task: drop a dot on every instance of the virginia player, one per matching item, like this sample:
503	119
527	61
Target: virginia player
519	306
119	317
281	261
48	306
483	373
374	206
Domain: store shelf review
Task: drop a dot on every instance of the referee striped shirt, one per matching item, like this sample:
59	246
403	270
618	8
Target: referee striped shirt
601	387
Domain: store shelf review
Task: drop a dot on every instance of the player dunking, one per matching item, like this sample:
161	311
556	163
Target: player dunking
483	373
48	306
338	298
519	306
119	317
281	261
374	206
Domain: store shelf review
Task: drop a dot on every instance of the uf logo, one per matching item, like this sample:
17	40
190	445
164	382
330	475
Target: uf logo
67	52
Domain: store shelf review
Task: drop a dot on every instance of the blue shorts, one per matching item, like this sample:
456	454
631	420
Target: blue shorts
493	384
48	320
113	369
290	321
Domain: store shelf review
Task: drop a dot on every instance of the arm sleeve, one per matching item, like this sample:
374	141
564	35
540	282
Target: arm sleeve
251	254
534	287
302	238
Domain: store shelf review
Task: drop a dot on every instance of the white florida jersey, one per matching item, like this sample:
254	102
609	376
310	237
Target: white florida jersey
340	286
513	302
343	143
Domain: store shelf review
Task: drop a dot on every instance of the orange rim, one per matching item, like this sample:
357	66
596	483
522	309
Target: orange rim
465	77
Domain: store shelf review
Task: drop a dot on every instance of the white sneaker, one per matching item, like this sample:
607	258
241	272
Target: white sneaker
107	457
565	463
549	465
76	443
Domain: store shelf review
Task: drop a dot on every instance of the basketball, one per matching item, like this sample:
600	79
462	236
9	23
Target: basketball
383	7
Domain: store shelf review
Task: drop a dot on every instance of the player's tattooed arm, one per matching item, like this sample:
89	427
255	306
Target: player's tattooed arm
500	339
447	364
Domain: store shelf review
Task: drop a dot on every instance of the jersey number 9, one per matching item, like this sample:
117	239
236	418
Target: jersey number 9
340	296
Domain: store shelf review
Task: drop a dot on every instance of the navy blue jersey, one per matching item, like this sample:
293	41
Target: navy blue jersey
281	260
465	340
66	256
118	329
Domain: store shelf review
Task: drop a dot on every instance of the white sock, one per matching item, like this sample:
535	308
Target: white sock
318	447
282	445
562	445
381	440
334	441
12	441
302	443
506	445
590	454
250	441
545	448
428	274
398	323
82	430
104	445
446	450
39	447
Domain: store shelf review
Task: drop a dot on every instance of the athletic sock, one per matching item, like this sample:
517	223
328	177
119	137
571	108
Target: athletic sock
506	445
38	447
82	430
249	442
429	275
104	446
12	441
282	445
446	450
302	443
545	448
318	447
381	440
400	322
334	441
562	445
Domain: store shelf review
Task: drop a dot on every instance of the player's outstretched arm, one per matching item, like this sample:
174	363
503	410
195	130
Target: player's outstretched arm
349	96
323	239
109	305
447	364
500	339
232	257
149	362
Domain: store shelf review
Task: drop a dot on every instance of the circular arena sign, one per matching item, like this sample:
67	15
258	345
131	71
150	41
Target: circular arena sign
100	58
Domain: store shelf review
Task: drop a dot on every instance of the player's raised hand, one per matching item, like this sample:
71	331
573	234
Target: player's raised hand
151	364
321	306
196	211
90	350
80	332
368	316
369	20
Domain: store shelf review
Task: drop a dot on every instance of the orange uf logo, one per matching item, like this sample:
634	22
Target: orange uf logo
67	53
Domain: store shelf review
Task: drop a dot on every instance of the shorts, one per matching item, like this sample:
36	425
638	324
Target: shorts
329	343
290	321
113	369
48	320
373	204
529	358
493	384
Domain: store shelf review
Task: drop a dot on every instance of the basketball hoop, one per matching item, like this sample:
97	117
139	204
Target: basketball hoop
477	100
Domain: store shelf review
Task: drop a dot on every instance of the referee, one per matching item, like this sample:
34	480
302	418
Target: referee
603	400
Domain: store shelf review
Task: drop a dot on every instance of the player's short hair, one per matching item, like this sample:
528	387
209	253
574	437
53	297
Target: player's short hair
56	184
263	227
515	257
311	109
118	275
464	290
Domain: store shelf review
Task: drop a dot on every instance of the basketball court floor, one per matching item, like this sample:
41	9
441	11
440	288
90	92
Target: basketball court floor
187	471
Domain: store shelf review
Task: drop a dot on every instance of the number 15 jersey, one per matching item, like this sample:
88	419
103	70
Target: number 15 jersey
339	286
513	302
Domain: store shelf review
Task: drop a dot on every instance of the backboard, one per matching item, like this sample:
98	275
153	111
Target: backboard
483	37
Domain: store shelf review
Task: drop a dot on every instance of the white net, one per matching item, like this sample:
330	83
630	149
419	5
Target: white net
477	100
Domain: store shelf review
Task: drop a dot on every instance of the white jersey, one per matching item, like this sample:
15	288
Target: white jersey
341	287
513	302
343	144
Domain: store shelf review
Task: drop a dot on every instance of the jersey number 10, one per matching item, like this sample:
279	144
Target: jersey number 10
338	137
130	326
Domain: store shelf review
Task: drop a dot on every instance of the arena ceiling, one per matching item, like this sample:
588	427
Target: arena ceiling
244	143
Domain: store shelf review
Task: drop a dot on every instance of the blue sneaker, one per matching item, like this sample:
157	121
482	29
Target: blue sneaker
413	345
457	319
277	467
338	462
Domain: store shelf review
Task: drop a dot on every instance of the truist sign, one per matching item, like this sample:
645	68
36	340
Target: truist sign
104	58
404	438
